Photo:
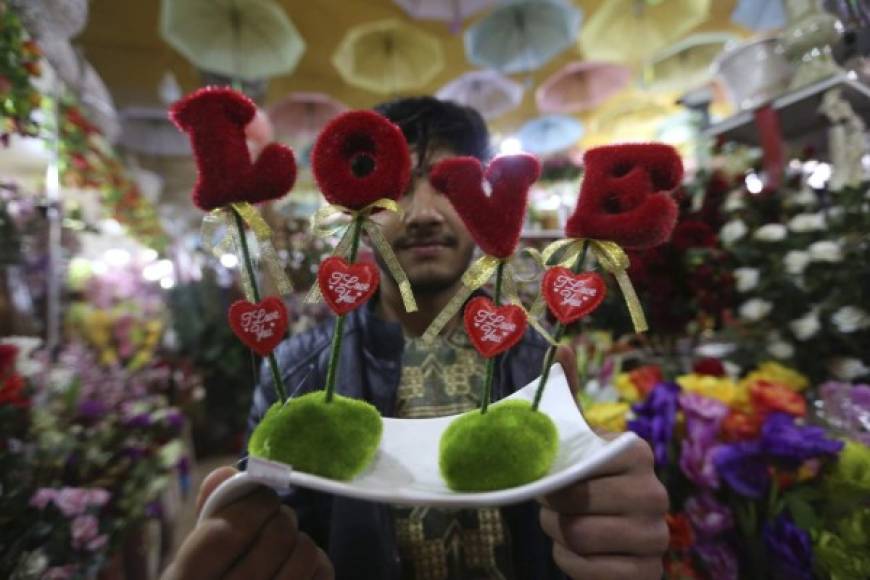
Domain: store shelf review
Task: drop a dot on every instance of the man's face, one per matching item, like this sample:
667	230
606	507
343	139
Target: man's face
430	240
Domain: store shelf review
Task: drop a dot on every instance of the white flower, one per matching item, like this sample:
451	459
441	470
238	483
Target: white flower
755	309
796	261
781	349
806	326
850	318
805	196
747	278
847	368
735	200
807	222
25	365
826	251
770	233
733	231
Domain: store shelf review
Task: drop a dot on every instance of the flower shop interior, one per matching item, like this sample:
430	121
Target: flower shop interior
122	384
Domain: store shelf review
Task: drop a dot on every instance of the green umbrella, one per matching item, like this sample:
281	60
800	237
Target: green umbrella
241	39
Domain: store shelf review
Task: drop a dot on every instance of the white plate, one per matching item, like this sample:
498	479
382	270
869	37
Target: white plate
405	468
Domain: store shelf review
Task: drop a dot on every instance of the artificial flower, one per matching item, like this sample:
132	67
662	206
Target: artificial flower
747	278
609	416
709	366
770	233
693	234
735	200
708	516
807	326
850	319
719	560
8	355
755	309
790	547
780	349
697	454
776	373
720	388
733	231
826	251
851	472
743	468
805	196
680	532
796	261
848	368
842	560
655	419
807	222
701	409
12	392
638	383
784	439
739	426
769	397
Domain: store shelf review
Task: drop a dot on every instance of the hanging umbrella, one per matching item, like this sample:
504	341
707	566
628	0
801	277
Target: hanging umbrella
522	35
686	64
581	85
759	14
241	39
53	19
299	117
486	91
635	116
148	130
550	134
388	56
628	31
451	11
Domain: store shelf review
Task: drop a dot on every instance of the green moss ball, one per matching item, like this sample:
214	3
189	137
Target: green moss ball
508	446
336	439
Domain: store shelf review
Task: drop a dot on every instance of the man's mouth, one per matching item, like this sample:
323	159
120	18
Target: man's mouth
426	248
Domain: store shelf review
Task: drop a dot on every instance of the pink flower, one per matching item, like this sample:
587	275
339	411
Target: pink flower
97	543
72	501
84	530
97	496
60	572
42	497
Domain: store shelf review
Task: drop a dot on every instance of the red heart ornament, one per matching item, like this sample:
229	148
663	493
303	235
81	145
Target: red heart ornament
493	329
260	326
495	220
572	296
346	286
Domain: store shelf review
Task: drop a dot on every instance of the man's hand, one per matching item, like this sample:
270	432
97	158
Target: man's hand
253	538
613	525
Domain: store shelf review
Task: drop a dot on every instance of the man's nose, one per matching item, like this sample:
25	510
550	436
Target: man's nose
423	207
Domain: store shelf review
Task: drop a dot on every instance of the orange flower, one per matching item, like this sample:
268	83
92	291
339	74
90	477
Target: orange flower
739	426
768	397
681	532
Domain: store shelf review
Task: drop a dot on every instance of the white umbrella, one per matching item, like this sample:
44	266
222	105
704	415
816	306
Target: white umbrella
53	19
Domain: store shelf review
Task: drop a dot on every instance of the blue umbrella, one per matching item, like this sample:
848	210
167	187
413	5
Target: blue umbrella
550	134
522	35
760	14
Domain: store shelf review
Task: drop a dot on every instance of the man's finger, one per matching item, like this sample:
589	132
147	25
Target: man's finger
599	535
610	495
211	482
565	356
606	567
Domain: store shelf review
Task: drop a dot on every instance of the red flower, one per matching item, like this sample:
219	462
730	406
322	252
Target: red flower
709	366
625	195
768	397
361	157
215	119
739	426
12	392
8	353
645	378
693	234
681	532
495	220
678	569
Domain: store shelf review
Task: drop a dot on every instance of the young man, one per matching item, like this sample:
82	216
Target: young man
610	526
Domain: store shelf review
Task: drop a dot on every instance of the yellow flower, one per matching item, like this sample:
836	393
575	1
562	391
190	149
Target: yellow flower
776	373
626	388
720	388
607	416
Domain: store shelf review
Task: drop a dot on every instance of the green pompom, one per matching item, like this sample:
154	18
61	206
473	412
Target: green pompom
336	439
508	446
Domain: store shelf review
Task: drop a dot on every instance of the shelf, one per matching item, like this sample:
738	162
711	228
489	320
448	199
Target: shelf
798	111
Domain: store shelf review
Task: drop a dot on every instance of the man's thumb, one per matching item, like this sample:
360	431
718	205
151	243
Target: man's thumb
211	482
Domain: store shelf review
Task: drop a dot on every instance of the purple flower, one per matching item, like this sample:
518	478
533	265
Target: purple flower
43	497
72	501
703	414
83	530
174	419
655	418
782	438
709	517
741	465
696	462
97	496
92	409
138	421
790	548
719	560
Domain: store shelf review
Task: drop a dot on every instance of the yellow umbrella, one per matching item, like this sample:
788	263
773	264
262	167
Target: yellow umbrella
629	31
686	64
388	56
633	117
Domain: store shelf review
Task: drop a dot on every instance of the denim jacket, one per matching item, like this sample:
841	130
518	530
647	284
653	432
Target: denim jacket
359	535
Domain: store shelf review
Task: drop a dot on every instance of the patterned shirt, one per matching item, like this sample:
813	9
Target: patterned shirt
446	378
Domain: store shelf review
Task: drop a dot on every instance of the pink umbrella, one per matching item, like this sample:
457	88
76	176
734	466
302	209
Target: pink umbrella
299	117
491	93
581	85
452	11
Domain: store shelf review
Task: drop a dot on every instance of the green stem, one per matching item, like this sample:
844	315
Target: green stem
338	328
490	363
557	336
255	289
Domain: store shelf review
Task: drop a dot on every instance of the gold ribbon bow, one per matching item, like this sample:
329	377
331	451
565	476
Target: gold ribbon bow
322	228
611	257
221	236
480	271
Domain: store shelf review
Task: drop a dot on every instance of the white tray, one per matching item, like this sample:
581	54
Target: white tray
405	468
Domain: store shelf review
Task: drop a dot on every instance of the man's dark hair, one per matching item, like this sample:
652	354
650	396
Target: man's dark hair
429	124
